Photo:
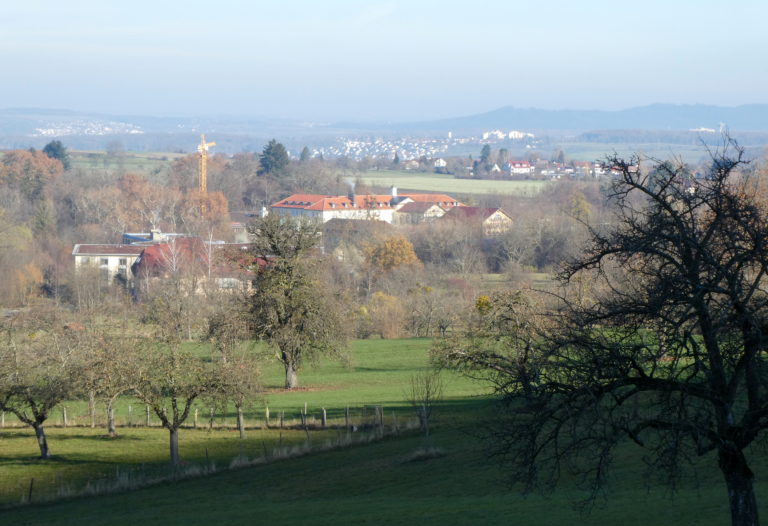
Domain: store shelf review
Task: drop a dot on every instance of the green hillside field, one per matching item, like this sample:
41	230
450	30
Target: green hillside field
450	185
382	482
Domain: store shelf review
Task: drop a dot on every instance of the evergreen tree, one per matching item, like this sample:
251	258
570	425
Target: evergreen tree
485	154
56	150
305	155
273	159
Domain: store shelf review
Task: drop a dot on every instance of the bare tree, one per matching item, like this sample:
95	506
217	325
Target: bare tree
109	369
236	364
661	337
166	373
38	368
425	391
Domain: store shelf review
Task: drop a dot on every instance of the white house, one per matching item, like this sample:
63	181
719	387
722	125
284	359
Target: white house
111	260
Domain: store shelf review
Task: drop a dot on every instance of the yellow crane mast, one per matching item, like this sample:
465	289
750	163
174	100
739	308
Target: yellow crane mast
203	172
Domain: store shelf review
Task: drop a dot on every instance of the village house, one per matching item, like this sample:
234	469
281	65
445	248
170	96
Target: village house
200	263
111	260
520	168
415	213
492	221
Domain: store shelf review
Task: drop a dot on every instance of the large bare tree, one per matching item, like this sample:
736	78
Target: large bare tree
661	338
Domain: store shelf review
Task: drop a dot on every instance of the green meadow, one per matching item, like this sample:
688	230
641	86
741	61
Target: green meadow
451	185
381	482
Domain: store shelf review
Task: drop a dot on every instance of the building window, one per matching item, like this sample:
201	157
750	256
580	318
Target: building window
104	261
123	262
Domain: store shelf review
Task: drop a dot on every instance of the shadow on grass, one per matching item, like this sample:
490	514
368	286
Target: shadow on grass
57	460
63	437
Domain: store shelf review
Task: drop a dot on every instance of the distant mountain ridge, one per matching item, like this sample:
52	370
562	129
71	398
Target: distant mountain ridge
24	127
749	117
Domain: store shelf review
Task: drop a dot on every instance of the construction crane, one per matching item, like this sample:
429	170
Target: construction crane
203	175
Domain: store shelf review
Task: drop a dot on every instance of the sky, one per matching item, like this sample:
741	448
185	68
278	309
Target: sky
331	60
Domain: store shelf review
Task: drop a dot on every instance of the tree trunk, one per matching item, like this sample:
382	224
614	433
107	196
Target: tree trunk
291	376
738	480
174	443
240	422
111	428
42	442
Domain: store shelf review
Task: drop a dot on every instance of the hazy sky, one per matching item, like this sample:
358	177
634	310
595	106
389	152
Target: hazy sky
398	60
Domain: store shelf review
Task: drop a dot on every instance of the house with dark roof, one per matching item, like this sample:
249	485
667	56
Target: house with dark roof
111	260
492	221
415	213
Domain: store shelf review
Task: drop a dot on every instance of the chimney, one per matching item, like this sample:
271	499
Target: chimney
394	191
154	234
351	194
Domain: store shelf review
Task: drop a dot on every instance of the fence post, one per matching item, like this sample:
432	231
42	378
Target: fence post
64	415
195	417
210	421
130	415
325	418
2	419
346	418
394	422
147	413
266	416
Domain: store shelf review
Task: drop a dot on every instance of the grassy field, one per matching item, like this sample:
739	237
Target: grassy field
378	373
375	483
450	185
148	164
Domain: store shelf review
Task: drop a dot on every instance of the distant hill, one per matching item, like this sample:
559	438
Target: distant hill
752	117
668	123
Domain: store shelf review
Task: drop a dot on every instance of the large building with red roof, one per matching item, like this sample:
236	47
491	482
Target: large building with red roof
381	207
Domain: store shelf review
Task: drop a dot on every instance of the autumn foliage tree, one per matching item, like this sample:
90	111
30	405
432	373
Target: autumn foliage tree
29	172
385	255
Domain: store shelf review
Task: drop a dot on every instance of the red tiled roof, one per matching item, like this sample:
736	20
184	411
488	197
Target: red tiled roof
159	257
321	202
